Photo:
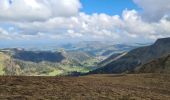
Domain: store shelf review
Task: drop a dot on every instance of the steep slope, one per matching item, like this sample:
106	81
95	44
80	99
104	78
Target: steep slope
137	57
160	65
8	66
3	58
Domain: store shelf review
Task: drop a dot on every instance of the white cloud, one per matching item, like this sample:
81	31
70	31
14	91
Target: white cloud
134	25
96	24
31	10
154	10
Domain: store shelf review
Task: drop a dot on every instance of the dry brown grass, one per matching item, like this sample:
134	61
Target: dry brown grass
93	87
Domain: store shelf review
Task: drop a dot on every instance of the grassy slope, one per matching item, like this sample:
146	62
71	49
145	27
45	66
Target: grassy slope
3	58
94	87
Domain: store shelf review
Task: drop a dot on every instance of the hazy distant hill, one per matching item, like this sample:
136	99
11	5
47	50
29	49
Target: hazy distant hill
99	48
137	57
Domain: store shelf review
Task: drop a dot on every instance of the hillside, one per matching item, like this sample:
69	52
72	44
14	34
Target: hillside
93	87
3	58
160	65
39	56
78	55
8	66
137	57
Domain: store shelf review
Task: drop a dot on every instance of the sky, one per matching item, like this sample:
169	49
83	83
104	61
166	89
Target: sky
109	7
39	22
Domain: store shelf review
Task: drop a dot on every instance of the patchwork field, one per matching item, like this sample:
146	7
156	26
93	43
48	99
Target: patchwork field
93	87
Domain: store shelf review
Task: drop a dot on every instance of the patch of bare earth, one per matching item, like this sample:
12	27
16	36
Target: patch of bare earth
93	87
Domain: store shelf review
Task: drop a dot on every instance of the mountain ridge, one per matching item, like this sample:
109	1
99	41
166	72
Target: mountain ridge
137	57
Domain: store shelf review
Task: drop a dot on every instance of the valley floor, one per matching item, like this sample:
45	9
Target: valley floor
97	87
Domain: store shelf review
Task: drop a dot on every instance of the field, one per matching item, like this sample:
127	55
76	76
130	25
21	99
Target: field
92	87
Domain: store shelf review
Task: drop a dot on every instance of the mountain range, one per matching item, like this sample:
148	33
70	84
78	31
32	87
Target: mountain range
68	59
85	57
99	48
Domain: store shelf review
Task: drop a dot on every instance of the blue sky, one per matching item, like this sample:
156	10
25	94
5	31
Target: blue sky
59	21
110	7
